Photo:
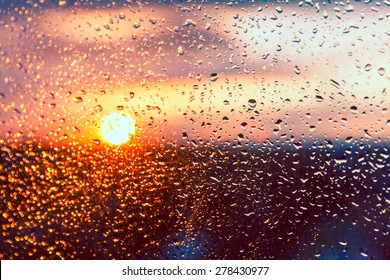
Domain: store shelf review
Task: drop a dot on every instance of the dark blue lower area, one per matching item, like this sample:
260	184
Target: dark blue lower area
318	202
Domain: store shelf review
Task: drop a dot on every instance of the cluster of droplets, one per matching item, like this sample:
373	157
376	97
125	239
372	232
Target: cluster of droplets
261	131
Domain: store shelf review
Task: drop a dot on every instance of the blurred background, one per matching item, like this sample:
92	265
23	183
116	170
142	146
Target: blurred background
261	129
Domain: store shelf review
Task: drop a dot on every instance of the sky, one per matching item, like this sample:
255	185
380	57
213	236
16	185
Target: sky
189	72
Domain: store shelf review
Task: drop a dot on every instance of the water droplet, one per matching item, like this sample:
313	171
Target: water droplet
279	9
334	83
252	103
354	109
368	67
349	8
325	15
148	107
213	77
77	99
98	109
381	71
180	50
296	70
296	39
75	129
364	253
122	16
319	98
96	141
244	125
107	76
189	22
136	24
343	243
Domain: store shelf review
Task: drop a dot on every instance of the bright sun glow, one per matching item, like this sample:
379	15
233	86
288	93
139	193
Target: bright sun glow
117	127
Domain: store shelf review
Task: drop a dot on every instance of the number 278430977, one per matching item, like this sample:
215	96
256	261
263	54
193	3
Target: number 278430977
244	270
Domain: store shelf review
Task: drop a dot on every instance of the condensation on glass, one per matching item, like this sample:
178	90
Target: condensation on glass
194	129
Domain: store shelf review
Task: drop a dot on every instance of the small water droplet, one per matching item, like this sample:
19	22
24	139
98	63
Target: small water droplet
213	77
189	22
381	71
368	67
107	76
77	99
279	9
334	83
296	39
252	103
98	109
122	16
148	107
354	109
75	129
136	24
180	50
297	70
343	243
364	253
349	8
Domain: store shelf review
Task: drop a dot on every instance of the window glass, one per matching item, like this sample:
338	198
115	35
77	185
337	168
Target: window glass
194	129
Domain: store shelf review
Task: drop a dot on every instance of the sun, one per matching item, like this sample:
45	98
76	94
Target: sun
117	128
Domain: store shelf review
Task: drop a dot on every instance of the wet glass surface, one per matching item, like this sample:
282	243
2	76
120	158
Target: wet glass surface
194	130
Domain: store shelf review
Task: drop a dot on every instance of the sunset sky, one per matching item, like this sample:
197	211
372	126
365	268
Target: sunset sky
314	71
